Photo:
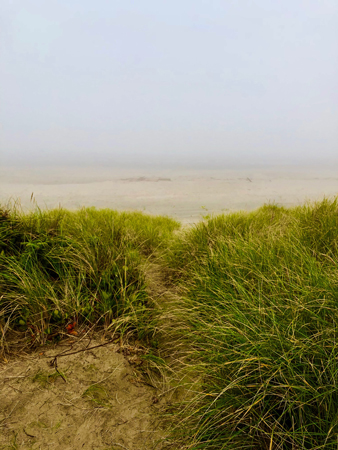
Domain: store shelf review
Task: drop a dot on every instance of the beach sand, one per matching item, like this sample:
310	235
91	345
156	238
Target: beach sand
186	195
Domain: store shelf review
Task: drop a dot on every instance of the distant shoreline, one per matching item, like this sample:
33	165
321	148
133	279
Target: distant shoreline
186	195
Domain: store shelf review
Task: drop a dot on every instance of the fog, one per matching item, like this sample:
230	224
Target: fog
168	84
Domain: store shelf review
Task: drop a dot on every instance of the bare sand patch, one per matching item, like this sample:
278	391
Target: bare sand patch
104	403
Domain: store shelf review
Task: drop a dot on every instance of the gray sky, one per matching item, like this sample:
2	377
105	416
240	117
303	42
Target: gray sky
200	82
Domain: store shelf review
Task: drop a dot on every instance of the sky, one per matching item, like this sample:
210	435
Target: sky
203	83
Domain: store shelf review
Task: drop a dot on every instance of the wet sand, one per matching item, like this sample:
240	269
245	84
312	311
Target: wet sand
186	195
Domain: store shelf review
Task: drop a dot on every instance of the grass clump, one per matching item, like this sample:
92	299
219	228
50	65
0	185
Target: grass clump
85	267
261	295
46	379
98	395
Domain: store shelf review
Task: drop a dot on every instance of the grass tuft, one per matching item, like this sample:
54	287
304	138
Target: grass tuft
60	270
261	302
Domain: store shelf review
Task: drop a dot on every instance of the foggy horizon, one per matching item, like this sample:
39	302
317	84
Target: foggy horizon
200	84
167	164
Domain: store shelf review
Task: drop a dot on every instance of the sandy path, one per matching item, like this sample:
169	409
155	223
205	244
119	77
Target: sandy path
184	195
105	402
103	405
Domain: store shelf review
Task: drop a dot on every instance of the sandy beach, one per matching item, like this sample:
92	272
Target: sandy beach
186	195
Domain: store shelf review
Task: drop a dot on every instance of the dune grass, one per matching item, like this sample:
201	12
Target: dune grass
60	268
261	300
258	309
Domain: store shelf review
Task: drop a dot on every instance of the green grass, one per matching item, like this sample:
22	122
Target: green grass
58	267
46	379
98	395
261	300
258	311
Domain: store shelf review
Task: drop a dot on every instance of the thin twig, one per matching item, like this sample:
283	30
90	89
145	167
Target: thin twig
53	362
15	388
84	349
29	435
